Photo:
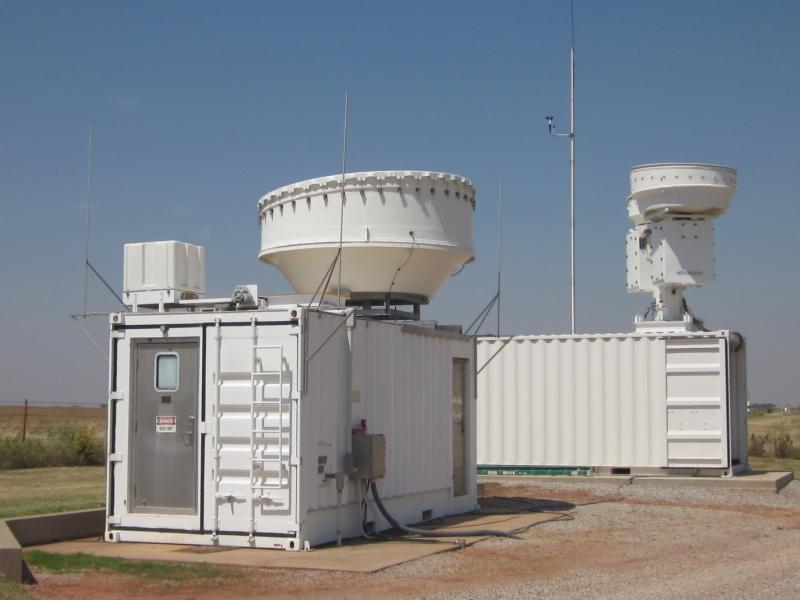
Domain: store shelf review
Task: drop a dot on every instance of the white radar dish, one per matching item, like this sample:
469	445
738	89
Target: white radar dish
404	232
665	189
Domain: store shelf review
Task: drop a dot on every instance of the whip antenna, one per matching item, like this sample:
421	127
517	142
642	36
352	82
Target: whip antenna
341	211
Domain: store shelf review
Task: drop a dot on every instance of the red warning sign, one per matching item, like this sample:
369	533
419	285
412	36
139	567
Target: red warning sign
166	424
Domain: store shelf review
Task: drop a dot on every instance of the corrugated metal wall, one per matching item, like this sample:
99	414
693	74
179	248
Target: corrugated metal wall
654	401
405	387
571	401
402	387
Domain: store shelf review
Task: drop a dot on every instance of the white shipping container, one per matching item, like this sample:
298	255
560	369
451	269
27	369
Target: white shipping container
638	403
227	427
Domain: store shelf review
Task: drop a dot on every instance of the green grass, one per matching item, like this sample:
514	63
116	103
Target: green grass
66	563
57	489
769	463
13	591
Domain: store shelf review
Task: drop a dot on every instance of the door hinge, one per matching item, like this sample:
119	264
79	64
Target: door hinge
114	520
116	396
115	457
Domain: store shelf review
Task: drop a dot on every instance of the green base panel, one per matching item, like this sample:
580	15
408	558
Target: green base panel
542	471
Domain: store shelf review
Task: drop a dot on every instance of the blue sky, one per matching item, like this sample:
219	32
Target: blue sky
200	108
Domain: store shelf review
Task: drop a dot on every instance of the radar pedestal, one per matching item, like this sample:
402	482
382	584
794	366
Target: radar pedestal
671	245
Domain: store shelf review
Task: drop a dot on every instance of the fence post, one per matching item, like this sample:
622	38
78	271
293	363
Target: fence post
25	420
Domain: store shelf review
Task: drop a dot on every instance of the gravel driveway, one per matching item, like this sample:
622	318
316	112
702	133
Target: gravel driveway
617	542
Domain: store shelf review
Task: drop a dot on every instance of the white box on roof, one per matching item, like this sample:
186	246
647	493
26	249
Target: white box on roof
163	266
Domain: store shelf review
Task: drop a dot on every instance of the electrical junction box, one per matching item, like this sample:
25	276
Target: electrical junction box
677	252
369	455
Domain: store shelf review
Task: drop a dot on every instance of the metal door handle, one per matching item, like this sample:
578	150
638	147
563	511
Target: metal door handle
189	435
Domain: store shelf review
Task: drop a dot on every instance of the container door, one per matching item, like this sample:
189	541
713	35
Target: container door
459	439
164	421
253	387
697	419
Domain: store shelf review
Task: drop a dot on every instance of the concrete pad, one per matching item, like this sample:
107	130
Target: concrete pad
773	481
358	556
10	554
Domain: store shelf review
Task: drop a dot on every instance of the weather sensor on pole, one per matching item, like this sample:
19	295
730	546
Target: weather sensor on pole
551	128
671	244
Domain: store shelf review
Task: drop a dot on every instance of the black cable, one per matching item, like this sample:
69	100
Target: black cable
388	297
461	268
699	322
433	534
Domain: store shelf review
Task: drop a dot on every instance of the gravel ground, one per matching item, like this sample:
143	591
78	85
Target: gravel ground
623	542
660	543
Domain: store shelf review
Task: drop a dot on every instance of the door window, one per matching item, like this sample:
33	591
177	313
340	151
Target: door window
167	368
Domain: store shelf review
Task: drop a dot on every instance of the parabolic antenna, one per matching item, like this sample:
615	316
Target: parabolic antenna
404	232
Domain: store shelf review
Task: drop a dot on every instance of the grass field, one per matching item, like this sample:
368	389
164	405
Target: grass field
42	419
40	491
57	436
775	424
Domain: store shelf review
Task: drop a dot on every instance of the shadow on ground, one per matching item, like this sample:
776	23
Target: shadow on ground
502	505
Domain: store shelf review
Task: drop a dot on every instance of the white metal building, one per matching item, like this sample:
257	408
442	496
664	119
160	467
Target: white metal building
613	403
258	421
227	426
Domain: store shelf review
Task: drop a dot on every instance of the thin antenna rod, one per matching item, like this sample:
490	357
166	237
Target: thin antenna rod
88	220
341	211
571	135
499	247
572	23
572	165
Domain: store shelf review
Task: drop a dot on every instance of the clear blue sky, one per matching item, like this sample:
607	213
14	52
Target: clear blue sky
200	108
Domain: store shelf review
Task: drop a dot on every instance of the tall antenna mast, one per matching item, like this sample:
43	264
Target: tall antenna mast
88	220
499	247
341	211
571	135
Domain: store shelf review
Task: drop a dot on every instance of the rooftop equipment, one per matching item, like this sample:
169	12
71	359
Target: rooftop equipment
160	273
403	234
671	244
